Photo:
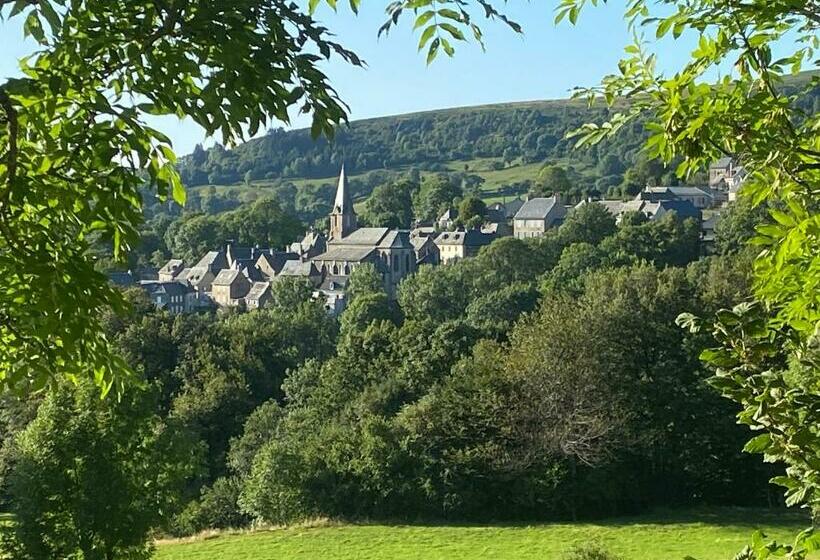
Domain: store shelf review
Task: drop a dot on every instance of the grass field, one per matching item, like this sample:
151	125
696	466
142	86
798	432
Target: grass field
715	534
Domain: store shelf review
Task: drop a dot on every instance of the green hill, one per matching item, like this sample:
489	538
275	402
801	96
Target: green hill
497	149
525	132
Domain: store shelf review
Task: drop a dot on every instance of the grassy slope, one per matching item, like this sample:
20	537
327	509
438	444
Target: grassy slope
705	534
493	178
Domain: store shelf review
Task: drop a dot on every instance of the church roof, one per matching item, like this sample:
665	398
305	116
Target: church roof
371	236
349	254
343	204
395	238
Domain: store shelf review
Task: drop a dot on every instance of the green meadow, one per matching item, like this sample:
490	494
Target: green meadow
713	534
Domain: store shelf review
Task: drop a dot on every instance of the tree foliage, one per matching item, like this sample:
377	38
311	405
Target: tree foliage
767	360
91	477
76	148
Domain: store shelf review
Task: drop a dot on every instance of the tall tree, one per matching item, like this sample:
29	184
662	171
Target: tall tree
92	477
390	205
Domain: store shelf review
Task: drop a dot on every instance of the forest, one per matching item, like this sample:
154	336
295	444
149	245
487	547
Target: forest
544	379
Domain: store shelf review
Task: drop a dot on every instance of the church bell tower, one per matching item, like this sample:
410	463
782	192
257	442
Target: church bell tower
342	217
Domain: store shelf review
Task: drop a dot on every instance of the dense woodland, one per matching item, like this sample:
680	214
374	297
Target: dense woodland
543	379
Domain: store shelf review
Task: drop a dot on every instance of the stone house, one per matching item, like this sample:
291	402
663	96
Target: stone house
230	287
455	245
258	296
537	215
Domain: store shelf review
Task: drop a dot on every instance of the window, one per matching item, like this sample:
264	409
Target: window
395	262
407	262
347	269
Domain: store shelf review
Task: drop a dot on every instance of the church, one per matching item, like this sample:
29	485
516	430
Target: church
349	246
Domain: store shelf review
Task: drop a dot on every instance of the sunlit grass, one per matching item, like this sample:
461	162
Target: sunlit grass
715	534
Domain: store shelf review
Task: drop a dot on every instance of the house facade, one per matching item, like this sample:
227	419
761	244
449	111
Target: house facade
455	245
537	215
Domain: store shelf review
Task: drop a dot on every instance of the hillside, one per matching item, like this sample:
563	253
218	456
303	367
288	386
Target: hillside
510	133
527	132
496	150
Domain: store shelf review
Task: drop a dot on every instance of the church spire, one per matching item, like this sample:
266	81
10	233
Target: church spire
343	204
343	216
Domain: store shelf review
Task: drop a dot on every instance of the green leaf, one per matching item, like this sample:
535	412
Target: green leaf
426	35
758	444
431	54
50	14
423	18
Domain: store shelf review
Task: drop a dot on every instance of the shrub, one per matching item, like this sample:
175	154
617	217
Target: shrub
590	551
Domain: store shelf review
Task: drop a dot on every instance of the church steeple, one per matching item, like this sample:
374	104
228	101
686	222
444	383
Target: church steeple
343	217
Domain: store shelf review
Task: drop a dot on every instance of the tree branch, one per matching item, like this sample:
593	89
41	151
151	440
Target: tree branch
11	154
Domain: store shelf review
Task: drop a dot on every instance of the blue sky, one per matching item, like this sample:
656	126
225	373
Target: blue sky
543	63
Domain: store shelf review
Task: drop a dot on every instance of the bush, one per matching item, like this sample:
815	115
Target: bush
216	509
590	551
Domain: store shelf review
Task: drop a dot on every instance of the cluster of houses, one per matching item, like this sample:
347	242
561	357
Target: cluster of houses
241	277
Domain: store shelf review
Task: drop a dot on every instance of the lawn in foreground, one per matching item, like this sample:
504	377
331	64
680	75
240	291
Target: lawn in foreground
715	534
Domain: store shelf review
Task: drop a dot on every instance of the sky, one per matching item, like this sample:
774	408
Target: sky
546	62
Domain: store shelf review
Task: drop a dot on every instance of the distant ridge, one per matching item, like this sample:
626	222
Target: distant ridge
523	131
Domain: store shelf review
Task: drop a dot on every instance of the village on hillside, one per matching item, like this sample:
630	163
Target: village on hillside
241	277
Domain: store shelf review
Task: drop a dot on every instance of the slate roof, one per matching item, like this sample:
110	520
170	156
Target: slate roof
334	283
213	260
226	277
419	242
349	254
257	290
471	238
196	274
683	208
422	232
495	215
722	163
363	236
688	191
299	268
309	241
512	207
169	288
171	266
276	259
614	207
536	209
240	253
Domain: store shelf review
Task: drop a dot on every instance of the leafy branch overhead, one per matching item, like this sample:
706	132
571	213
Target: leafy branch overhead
75	148
443	22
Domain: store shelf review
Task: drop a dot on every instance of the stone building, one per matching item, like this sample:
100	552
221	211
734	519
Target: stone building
454	245
537	215
350	246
